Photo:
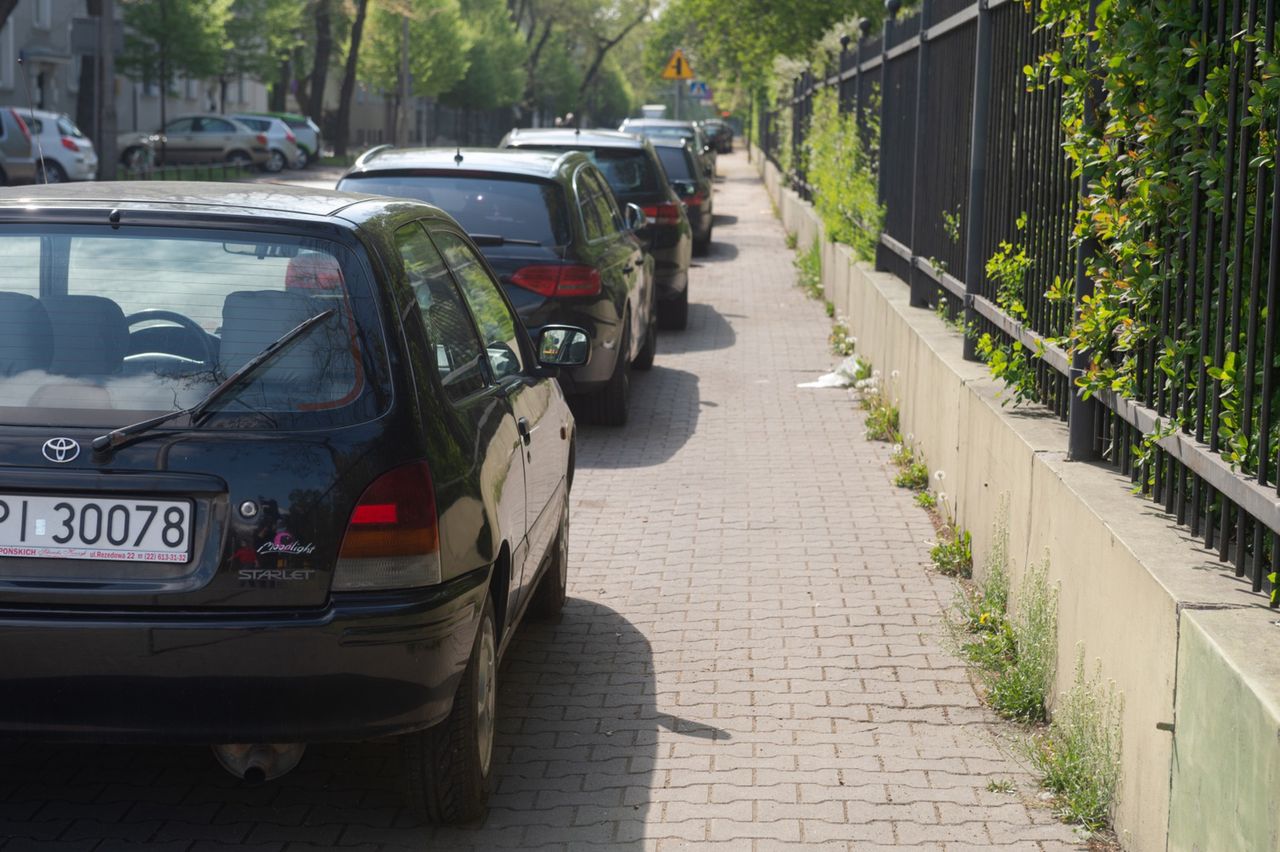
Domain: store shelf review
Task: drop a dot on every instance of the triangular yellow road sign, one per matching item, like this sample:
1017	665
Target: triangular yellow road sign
677	67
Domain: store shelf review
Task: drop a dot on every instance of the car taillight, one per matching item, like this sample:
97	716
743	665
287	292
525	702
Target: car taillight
262	140
554	280
693	201
70	144
288	134
22	125
392	539
666	213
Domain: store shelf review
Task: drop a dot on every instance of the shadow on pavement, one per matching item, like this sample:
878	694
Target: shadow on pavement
719	253
664	415
724	220
578	733
708	330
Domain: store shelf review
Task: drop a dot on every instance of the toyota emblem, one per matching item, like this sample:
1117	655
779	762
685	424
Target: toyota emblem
60	450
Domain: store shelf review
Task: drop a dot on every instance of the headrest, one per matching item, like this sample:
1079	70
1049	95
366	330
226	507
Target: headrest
253	319
90	337
313	270
26	337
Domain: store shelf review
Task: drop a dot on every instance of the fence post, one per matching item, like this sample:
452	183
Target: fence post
922	286
891	7
976	212
1082	413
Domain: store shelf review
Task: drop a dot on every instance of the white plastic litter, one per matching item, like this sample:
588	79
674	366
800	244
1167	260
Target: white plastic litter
841	377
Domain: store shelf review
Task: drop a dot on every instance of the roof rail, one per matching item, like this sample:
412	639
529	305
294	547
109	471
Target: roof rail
370	154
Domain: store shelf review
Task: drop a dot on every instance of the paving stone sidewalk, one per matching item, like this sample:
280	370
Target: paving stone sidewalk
753	656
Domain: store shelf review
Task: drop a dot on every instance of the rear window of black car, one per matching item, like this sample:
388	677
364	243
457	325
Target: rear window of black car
515	208
629	171
677	163
103	327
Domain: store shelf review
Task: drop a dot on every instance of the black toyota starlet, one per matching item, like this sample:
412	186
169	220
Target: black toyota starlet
276	466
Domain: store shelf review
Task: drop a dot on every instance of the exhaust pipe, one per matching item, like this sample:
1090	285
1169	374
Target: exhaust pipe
256	763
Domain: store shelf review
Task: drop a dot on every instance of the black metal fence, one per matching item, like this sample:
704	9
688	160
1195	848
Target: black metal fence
971	157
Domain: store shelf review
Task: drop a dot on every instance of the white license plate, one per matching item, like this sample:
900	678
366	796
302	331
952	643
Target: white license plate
116	528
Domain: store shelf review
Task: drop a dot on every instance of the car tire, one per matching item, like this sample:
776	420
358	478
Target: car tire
135	158
304	159
673	314
610	405
702	246
450	766
239	159
276	162
548	599
644	358
50	171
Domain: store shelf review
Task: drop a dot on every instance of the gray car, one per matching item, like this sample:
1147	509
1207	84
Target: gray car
282	143
197	139
17	155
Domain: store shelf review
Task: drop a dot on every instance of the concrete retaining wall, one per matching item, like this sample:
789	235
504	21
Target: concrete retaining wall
1129	580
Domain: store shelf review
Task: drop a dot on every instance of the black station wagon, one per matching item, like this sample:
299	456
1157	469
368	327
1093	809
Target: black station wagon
561	246
276	466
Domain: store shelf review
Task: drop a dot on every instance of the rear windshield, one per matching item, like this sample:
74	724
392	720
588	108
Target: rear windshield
496	206
676	162
629	171
103	328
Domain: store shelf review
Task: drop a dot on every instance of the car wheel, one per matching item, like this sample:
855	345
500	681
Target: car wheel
48	171
304	159
610	405
644	358
239	159
275	162
702	246
553	589
674	313
450	766
135	158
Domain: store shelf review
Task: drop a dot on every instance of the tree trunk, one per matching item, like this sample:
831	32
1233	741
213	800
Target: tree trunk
320	70
299	84
531	68
280	88
343	132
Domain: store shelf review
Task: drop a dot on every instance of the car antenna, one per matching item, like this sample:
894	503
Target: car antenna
35	137
457	158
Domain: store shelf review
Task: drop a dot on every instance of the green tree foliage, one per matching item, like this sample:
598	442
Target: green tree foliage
259	34
439	45
495	63
842	166
168	38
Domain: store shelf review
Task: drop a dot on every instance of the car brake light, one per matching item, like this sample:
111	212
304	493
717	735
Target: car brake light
392	539
693	201
22	125
262	140
70	144
288	134
666	213
556	280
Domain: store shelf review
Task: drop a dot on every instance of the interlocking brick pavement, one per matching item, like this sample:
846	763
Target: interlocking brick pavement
753	656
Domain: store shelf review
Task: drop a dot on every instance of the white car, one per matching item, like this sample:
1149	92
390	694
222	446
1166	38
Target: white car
61	151
282	144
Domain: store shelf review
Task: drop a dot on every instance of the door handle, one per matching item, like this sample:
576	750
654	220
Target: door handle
522	426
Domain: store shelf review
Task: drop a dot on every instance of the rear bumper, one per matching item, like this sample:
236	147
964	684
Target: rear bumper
366	666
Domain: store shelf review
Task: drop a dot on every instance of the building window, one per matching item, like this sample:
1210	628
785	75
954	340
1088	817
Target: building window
43	15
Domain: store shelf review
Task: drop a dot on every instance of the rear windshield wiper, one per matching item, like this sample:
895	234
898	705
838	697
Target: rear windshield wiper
118	438
499	240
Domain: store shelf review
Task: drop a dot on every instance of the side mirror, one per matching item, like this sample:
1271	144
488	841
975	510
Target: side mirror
634	218
563	346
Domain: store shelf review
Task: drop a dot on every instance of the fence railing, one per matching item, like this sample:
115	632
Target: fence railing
964	138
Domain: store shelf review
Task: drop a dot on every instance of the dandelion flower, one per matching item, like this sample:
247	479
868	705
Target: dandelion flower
940	475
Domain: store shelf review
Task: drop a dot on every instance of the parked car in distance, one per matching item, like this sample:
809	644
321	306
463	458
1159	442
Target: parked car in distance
17	154
666	128
691	183
310	142
196	139
282	143
67	153
279	466
554	235
720	133
636	176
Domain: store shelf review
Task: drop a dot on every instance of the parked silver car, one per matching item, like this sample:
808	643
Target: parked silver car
17	155
196	139
282	143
